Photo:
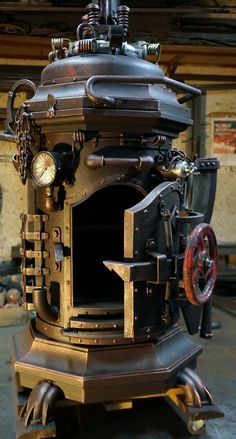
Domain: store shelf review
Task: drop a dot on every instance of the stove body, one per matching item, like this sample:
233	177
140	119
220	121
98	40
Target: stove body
107	261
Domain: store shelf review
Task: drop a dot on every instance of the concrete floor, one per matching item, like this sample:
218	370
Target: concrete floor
151	419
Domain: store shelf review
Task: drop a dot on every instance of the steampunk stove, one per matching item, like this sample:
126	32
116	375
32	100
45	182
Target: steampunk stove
119	240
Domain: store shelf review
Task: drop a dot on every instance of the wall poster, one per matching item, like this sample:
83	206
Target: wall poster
224	136
224	139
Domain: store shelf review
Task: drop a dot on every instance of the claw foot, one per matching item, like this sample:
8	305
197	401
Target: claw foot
41	402
196	393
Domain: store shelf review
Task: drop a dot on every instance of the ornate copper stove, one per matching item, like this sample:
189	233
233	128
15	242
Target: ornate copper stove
119	241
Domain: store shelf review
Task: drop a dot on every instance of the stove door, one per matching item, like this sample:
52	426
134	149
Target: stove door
151	241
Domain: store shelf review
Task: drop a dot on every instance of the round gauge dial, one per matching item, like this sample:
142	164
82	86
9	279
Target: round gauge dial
44	168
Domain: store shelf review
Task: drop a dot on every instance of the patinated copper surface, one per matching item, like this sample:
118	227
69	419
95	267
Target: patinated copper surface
103	249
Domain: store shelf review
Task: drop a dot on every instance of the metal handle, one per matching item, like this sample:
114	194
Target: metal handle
205	331
9	135
107	101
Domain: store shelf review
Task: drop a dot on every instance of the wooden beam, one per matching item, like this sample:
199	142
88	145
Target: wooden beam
200	62
217	56
213	11
37	48
24	47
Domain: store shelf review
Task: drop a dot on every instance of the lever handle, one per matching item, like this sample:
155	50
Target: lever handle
205	331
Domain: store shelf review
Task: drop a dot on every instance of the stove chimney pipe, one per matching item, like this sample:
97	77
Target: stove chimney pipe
108	10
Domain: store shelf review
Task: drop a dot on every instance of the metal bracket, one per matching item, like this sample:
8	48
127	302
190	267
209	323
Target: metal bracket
51	109
156	271
33	255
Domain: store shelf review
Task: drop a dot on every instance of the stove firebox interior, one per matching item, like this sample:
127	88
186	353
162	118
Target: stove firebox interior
98	234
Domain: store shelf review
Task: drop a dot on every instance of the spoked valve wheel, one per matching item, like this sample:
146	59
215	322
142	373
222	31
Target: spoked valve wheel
200	261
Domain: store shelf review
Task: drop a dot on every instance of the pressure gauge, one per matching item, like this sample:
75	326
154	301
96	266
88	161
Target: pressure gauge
45	168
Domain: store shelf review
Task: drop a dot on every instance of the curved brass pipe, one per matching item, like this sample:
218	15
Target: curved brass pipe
95	161
9	135
108	101
42	307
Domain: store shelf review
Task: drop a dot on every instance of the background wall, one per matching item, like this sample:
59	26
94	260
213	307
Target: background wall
221	105
13	200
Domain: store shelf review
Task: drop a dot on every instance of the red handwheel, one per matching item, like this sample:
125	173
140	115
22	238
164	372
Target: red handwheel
200	261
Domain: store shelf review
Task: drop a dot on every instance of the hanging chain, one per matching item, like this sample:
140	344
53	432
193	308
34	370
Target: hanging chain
29	140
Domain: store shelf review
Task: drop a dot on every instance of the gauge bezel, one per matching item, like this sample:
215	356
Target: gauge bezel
36	181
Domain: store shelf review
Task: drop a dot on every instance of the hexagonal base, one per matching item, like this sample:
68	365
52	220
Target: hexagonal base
108	373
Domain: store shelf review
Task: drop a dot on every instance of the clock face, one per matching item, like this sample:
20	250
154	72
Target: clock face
44	168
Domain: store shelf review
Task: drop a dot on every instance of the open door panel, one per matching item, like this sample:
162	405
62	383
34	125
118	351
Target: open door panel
151	239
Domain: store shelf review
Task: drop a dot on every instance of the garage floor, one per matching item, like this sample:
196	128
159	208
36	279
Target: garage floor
151	419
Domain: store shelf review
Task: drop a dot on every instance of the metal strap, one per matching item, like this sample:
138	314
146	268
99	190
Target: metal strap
34	253
36	271
34	218
34	236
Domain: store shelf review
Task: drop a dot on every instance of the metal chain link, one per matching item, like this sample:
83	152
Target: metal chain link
29	140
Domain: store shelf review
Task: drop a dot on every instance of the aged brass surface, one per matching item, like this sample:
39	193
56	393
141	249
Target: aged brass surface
91	374
104	246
